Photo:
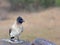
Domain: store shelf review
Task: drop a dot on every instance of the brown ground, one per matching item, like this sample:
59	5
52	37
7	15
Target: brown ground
44	24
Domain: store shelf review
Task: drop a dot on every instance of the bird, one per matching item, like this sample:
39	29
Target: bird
16	29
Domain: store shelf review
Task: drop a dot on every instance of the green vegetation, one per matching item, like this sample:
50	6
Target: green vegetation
57	2
32	4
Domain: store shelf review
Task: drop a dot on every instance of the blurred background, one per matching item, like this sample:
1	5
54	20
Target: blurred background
42	18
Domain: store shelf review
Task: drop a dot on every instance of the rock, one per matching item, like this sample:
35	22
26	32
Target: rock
39	41
7	43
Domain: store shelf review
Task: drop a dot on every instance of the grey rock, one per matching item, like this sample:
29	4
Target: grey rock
7	43
40	41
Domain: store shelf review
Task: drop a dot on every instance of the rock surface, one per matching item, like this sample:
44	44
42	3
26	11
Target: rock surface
39	41
7	43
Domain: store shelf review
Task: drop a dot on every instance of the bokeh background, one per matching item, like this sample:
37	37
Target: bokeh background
42	18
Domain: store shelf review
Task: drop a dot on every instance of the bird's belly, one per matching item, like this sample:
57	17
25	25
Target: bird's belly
14	33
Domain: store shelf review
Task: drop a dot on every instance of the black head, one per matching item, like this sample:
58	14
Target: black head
20	20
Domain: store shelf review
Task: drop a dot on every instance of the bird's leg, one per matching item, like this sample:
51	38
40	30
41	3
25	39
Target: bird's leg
18	38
